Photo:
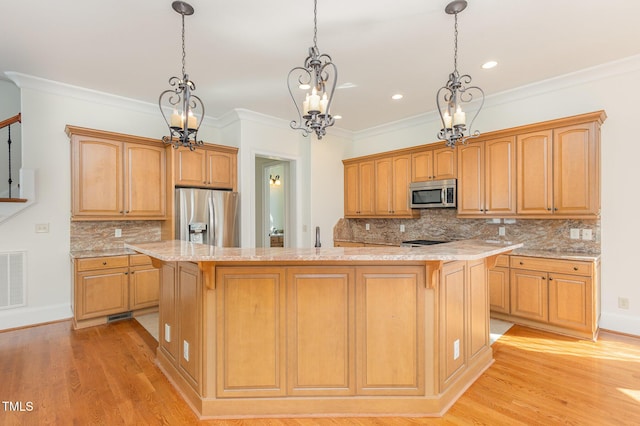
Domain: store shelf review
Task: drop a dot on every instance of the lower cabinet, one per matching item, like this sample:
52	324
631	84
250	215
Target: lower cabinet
553	294
106	286
499	289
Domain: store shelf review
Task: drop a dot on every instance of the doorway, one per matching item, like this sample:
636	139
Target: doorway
273	201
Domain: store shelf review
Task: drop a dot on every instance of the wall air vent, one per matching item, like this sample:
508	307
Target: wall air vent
12	279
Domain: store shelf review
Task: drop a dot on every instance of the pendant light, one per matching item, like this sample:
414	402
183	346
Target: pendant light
319	74
187	108
451	98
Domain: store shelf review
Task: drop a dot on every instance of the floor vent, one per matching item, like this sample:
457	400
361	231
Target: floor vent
118	317
12	279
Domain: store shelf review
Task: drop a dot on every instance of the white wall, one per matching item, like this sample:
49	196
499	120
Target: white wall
610	87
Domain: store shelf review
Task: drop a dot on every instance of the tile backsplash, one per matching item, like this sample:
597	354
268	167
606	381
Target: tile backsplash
100	235
442	224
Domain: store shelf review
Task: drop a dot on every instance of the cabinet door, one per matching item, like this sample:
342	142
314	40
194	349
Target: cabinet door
144	287
471	179
251	332
221	170
576	170
390	347
422	166
529	294
189	315
453	318
101	292
321	331
366	175
570	299
191	167
444	163
500	176
534	173
351	189
97	178
384	186
168	332
401	181
145	180
499	300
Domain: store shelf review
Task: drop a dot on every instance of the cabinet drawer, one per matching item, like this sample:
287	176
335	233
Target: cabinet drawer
502	261
139	260
106	262
551	265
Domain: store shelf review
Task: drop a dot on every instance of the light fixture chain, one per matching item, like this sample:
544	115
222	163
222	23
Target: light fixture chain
455	45
315	24
184	54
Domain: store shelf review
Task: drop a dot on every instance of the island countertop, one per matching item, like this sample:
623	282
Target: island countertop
184	251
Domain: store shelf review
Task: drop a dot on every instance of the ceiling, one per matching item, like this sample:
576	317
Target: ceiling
240	52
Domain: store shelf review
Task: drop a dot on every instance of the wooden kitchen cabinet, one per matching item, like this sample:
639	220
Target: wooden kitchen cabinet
499	289
392	178
168	330
553	294
116	177
487	178
188	325
559	172
359	189
104	287
433	163
209	166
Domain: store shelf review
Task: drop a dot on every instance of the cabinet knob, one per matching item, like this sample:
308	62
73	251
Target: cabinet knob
104	263
548	208
555	209
550	279
522	263
126	273
544	278
127	212
575	268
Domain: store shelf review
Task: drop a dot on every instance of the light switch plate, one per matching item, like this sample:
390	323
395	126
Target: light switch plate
42	228
574	233
118	232
501	231
587	234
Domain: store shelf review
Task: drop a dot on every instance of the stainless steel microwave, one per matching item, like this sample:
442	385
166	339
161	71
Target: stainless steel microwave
433	194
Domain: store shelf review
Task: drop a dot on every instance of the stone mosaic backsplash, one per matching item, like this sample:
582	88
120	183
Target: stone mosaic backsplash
442	224
101	235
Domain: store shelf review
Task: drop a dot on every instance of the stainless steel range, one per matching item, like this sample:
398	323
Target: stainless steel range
421	243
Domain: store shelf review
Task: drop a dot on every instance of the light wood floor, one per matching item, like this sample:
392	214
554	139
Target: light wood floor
106	375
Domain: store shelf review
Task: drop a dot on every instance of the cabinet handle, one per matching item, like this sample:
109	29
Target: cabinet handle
550	279
522	263
575	268
549	209
121	211
544	278
127	212
104	263
555	209
126	273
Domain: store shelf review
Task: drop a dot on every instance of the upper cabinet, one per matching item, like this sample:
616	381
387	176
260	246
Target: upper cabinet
392	178
433	163
115	177
359	184
209	166
487	178
559	172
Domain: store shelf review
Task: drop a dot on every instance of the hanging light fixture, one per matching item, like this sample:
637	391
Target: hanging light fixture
274	180
316	74
188	109
451	97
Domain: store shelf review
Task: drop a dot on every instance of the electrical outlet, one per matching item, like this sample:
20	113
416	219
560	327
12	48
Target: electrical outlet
623	303
401	228
574	233
367	227
118	232
42	228
185	350
586	234
456	349
509	221
501	231
167	333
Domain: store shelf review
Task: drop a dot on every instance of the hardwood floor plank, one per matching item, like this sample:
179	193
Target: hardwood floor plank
107	375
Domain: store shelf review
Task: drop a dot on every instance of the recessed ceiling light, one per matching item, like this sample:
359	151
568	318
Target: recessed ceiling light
337	117
397	96
489	65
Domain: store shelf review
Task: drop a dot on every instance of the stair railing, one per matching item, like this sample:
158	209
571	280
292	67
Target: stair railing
7	123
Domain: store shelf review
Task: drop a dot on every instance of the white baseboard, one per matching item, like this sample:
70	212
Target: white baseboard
21	317
620	323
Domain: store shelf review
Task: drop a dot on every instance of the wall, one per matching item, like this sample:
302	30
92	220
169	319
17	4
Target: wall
605	87
9	107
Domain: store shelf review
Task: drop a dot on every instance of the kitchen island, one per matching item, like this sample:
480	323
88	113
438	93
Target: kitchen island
323	331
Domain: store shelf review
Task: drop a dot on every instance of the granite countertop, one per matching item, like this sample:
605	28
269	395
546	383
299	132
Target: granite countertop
81	254
171	251
564	255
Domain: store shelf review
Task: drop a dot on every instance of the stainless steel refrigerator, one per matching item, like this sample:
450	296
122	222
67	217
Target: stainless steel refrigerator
208	216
